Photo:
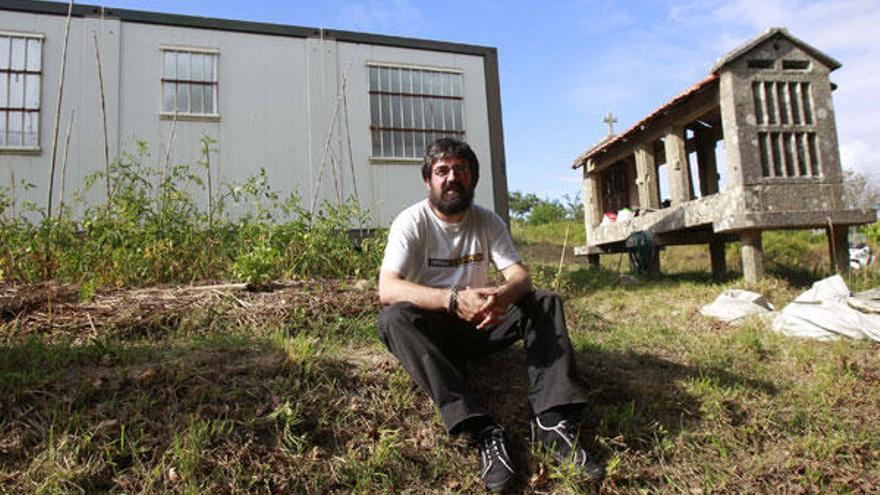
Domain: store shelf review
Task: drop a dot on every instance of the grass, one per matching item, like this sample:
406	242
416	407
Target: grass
550	233
289	391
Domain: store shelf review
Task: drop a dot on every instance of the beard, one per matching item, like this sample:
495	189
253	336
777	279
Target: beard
453	199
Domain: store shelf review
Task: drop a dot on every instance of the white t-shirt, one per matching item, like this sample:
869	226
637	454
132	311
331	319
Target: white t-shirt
428	251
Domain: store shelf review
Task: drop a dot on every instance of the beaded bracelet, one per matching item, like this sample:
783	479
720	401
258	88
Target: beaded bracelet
453	300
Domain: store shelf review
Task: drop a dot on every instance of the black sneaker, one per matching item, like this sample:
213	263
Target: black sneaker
561	440
496	468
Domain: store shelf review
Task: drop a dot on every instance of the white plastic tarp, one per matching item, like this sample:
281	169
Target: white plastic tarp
867	301
825	313
734	305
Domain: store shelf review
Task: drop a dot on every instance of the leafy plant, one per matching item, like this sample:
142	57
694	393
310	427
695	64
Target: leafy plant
152	230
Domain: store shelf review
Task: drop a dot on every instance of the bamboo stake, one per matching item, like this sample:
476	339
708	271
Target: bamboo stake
14	200
58	102
159	201
12	252
334	162
206	151
348	136
64	162
317	188
562	257
327	141
103	114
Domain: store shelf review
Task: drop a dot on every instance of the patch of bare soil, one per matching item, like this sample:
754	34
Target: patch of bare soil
543	252
55	310
20	299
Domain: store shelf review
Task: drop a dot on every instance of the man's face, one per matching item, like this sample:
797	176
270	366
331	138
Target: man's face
451	186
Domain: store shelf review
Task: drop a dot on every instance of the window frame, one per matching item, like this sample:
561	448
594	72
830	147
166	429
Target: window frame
213	82
459	130
5	111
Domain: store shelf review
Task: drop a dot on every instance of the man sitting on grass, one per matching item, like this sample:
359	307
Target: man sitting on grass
440	311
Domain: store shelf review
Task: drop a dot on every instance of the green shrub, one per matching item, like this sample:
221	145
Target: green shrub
793	247
257	263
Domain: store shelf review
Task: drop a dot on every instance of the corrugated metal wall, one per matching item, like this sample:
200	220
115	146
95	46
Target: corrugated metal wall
277	96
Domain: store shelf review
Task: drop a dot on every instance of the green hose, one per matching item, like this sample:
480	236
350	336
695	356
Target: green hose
640	245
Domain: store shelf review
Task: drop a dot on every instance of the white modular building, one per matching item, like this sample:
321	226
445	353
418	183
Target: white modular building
327	114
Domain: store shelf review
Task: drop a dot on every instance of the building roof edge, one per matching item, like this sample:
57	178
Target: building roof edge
182	20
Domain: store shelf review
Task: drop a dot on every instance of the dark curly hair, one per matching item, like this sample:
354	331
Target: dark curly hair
450	148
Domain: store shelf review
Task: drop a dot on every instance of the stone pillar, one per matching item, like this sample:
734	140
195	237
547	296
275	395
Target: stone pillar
592	200
719	263
742	162
676	159
708	166
646	177
752	255
592	207
838	248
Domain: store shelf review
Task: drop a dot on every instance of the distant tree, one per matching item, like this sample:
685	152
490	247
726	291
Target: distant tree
859	191
547	211
521	204
535	211
574	206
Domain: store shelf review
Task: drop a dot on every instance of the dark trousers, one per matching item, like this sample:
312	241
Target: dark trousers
432	346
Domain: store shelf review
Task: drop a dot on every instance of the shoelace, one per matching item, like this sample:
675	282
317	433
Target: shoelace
493	445
564	431
579	455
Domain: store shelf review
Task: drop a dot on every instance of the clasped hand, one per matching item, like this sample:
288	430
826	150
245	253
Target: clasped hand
483	307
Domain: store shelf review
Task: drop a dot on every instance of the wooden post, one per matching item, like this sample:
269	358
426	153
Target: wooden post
838	247
752	255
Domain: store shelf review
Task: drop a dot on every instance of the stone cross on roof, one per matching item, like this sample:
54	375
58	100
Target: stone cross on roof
610	119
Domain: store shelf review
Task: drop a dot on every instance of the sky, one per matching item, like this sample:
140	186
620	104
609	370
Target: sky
565	64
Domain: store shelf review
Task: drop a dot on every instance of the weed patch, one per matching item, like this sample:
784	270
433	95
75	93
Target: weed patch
152	231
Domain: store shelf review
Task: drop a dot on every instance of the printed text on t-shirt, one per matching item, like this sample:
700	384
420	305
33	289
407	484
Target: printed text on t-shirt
449	263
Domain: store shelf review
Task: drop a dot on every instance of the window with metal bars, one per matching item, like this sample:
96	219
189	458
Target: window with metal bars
20	81
615	195
411	107
787	139
189	82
